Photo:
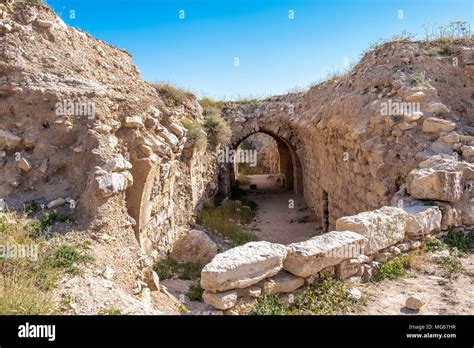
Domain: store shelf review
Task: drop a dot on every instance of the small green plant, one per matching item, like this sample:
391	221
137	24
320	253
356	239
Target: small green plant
169	268
450	264
461	242
447	50
182	309
209	104
48	219
434	245
190	271
227	219
196	135
269	305
217	129
243	180
32	208
393	269
110	311
195	292
325	296
417	79
457	243
174	95
66	257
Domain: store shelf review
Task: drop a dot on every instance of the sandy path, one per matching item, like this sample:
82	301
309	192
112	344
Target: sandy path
443	295
276	222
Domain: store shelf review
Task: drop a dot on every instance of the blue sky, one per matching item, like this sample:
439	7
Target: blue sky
275	53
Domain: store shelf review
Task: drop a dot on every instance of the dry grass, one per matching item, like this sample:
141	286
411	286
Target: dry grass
25	282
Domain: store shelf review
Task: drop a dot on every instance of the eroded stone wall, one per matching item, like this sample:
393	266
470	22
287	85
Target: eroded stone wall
355	147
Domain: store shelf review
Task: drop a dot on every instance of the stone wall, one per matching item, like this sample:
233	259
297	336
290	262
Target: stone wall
81	129
351	149
235	279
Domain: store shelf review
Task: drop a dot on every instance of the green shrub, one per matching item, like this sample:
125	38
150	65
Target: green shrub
217	129
196	134
243	180
393	269
175	96
450	264
269	305
227	219
462	242
43	225
325	296
169	268
66	257
109	311
195	292
32	208
447	50
417	79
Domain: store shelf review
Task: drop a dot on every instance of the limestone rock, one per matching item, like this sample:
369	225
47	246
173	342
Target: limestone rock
251	291
437	125
283	282
414	302
220	300
243	266
416	244
56	203
422	220
117	163
450	218
435	184
24	165
413	116
134	122
416	96
152	279
243	306
44	24
111	183
349	268
311	256
382	256
439	109
382	228
468	151
8	140
194	246
354	294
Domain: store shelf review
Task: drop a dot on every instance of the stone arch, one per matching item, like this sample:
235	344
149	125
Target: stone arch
290	164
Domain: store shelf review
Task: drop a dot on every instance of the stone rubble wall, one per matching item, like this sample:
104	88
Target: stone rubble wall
235	279
127	166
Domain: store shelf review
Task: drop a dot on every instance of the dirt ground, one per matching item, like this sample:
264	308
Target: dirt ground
443	295
276	221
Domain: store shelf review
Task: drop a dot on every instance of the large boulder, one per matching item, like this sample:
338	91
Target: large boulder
311	256
437	184
422	220
243	266
382	228
194	246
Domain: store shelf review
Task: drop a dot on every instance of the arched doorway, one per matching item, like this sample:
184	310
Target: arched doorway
288	172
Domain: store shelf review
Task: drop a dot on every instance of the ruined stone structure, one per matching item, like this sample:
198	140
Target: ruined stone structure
81	131
347	149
